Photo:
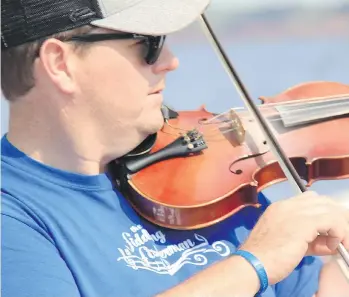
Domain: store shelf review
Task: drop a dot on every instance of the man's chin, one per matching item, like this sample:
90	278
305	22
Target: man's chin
156	126
153	121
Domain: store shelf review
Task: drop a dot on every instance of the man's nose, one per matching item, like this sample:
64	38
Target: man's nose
166	62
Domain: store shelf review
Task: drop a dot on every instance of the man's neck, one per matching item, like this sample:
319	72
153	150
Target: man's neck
45	140
60	155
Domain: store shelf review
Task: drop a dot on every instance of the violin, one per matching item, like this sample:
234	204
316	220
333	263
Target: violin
202	167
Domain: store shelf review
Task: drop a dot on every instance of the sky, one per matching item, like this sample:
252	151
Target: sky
250	5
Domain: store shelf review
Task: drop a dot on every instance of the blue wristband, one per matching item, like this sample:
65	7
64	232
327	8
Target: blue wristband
258	266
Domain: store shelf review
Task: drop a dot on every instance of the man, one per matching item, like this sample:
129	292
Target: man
84	92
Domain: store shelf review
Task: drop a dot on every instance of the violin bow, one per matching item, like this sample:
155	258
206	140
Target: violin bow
285	164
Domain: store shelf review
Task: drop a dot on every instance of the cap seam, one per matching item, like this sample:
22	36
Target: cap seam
119	11
102	7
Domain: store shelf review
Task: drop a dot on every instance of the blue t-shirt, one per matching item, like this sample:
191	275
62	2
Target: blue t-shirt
65	234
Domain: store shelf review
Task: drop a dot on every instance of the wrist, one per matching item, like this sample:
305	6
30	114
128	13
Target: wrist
246	282
260	279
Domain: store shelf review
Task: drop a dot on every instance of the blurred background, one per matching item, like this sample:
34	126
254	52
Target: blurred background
273	45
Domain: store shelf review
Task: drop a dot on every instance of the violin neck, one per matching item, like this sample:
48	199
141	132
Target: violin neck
299	113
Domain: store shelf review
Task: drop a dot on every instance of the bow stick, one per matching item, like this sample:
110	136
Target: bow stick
283	161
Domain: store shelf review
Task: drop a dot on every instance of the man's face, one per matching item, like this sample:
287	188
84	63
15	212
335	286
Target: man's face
118	90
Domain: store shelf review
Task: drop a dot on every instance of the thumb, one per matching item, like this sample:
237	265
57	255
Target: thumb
323	246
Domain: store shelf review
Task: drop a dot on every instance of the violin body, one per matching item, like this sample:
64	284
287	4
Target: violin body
203	188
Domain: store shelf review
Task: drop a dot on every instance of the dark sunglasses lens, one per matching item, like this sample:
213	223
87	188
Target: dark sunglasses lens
154	48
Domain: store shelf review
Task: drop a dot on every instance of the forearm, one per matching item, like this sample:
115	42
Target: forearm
231	277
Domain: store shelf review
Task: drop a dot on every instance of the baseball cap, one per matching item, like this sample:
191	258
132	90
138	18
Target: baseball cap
28	20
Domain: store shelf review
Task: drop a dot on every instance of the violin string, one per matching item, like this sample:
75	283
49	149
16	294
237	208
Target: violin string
272	106
285	114
215	129
303	101
295	111
278	118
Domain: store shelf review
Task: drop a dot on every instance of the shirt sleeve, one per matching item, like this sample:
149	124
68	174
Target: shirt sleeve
303	281
31	265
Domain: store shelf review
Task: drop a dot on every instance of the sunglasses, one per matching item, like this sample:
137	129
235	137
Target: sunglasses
153	44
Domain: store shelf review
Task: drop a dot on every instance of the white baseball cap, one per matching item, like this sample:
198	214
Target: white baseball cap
29	20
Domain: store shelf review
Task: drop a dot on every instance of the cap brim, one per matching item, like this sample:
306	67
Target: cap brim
155	17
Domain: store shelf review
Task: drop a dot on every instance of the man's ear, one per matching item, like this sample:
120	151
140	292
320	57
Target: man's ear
57	60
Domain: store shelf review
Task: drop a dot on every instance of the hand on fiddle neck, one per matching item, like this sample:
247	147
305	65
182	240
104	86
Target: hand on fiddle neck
289	230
